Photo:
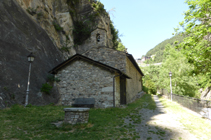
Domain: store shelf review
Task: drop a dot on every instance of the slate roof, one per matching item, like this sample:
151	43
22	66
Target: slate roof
78	57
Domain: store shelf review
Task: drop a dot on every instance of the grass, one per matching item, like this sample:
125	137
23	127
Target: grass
34	122
196	125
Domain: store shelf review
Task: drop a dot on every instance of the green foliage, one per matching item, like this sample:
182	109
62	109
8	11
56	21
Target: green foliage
158	50
51	78
115	34
204	81
81	32
149	85
145	89
31	11
46	88
120	47
99	7
152	73
29	105
65	49
5	88
183	83
57	27
197	46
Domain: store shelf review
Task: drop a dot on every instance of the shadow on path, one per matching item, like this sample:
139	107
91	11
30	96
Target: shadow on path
158	124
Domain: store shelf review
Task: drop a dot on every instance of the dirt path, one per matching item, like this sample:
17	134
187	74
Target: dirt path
159	124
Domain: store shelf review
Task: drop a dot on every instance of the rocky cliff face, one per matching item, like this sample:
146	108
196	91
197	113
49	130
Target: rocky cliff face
20	35
54	17
48	29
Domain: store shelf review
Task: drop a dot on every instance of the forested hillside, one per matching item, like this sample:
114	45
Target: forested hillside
158	50
189	59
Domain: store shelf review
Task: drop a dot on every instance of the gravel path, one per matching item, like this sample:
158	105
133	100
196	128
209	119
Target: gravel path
159	124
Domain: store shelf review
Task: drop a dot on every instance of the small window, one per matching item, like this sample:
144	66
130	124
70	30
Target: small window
98	37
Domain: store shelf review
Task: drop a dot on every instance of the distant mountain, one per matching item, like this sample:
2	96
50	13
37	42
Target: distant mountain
159	49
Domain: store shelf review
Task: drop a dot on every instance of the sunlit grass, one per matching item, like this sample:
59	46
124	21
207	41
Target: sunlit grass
195	124
35	122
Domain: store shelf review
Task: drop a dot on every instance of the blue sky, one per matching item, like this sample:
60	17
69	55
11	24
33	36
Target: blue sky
145	23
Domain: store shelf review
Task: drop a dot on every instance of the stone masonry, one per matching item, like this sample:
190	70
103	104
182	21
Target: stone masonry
108	56
133	85
81	79
76	115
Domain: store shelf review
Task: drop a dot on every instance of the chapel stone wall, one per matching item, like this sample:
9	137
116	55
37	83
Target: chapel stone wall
110	57
133	85
81	79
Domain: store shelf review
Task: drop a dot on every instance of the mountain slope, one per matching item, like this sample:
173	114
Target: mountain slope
159	49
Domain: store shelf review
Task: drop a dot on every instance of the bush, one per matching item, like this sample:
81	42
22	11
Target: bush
81	32
46	88
65	49
57	27
145	89
51	78
149	86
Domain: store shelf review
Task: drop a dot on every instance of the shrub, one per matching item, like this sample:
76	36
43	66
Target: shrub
57	27
65	49
46	88
31	11
145	89
149	86
51	78
81	32
29	105
99	7
115	35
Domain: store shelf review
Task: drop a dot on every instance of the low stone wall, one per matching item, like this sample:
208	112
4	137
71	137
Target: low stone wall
76	115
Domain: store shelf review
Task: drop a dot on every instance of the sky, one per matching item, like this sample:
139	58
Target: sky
145	23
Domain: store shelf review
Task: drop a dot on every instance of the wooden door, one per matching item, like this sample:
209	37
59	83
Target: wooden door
122	90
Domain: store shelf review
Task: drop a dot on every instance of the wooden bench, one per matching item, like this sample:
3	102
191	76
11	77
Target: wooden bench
84	102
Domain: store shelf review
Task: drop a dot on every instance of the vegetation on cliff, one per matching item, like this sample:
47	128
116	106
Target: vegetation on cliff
83	26
117	44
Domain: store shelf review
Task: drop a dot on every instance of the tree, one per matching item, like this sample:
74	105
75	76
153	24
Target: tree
150	79
182	82
197	46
